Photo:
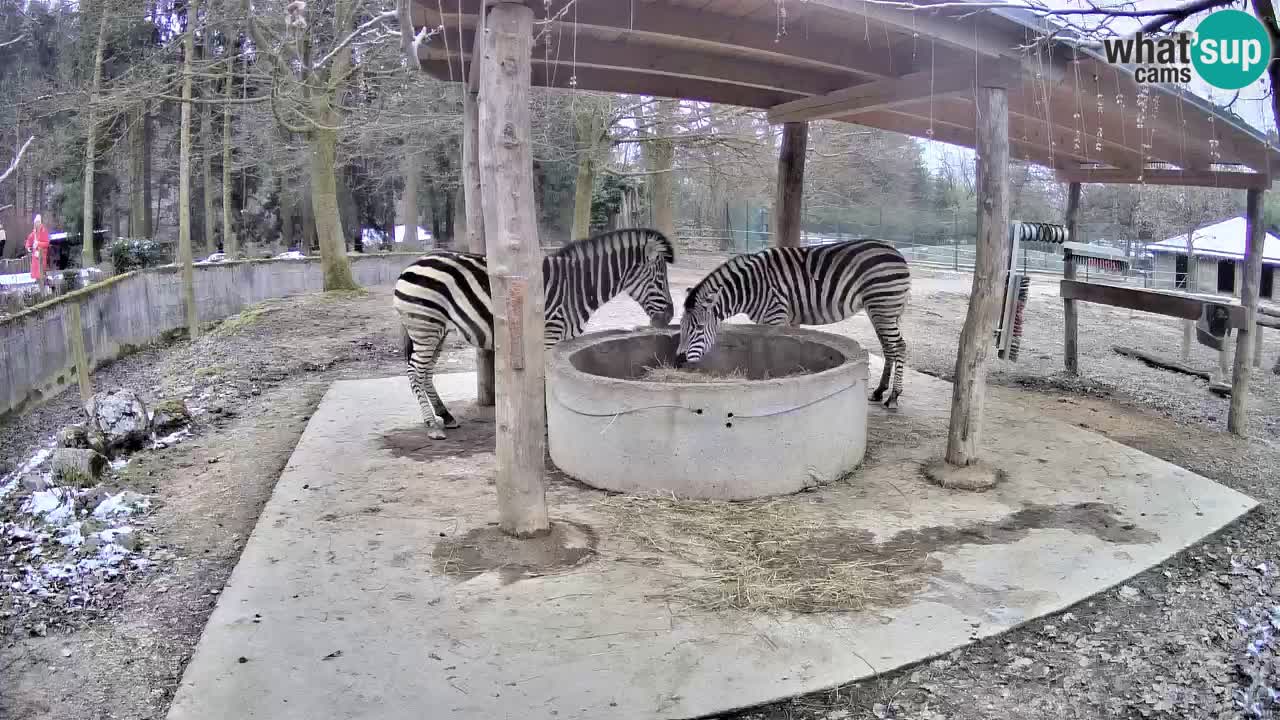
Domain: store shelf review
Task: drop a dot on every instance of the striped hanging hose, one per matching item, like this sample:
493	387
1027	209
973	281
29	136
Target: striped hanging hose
1024	288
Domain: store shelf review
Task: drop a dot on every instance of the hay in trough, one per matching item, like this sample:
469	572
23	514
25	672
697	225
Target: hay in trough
761	555
662	372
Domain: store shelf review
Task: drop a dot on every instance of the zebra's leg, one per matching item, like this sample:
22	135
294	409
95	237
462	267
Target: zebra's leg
895	357
450	423
423	351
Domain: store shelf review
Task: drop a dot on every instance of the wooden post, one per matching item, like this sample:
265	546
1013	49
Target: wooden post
515	267
789	200
1070	334
471	198
989	270
1237	416
73	325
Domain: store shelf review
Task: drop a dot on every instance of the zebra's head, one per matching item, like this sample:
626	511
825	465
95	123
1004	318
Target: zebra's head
647	285
699	325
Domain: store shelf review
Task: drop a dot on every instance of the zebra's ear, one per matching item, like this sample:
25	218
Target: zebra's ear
652	251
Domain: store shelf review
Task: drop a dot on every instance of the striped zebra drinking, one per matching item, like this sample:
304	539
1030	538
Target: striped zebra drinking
445	287
815	285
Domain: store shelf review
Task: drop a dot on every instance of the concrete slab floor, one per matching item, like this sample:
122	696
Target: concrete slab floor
344	604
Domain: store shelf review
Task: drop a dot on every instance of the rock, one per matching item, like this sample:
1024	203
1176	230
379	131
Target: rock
1129	593
35	482
78	467
74	436
122	419
169	415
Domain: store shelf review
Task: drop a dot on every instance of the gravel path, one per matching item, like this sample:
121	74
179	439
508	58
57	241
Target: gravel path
1190	639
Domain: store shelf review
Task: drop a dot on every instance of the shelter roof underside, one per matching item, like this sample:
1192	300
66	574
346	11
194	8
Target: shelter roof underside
912	72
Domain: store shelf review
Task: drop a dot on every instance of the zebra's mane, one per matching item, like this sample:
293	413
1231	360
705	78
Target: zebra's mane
574	248
691	297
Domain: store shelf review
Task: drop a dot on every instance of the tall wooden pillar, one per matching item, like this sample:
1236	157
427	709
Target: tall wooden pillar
789	200
471	197
1071	333
990	268
515	267
1237	416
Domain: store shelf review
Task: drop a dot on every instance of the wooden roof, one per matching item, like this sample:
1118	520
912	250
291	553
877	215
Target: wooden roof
882	67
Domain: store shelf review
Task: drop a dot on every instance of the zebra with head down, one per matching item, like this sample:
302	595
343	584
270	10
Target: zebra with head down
446	287
816	285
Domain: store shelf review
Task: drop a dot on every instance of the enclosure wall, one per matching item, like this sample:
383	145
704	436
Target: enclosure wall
138	308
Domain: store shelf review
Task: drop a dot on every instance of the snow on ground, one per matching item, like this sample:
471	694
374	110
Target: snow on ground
59	544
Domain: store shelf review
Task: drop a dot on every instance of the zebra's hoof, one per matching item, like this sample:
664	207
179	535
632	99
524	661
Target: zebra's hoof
435	433
891	403
877	396
451	424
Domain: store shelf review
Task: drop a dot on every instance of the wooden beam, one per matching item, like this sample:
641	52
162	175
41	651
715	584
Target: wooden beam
955	132
633	82
955	32
1158	302
515	268
474	209
1026	127
881	94
789	199
1237	415
1070	333
1166	176
704	31
964	435
626	53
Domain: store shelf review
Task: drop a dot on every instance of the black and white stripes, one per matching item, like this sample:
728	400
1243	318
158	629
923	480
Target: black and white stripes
446	287
816	285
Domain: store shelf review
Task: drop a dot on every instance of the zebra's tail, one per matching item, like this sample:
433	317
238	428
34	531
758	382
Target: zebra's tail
408	344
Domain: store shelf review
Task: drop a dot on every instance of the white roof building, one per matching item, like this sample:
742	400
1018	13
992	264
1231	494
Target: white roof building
1224	240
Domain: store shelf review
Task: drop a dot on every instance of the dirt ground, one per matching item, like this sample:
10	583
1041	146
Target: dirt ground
1189	639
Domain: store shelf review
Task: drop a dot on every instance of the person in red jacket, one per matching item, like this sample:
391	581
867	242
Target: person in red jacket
38	246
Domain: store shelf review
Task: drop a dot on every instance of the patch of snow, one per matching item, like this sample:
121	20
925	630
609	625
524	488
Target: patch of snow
10	481
71	535
55	506
172	438
124	503
111	534
119	464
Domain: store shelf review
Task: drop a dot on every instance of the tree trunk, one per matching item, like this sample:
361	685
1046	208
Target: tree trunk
410	168
184	178
206	171
789	198
139	213
1071	333
589	122
1192	285
662	152
287	212
323	98
472	200
149	220
515	269
964	436
1237	414
448	219
324	204
230	245
91	142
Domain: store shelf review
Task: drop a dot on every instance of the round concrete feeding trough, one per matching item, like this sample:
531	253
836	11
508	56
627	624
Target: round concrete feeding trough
791	415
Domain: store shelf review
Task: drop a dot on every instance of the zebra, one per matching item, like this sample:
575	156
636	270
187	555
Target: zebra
814	285
444	287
